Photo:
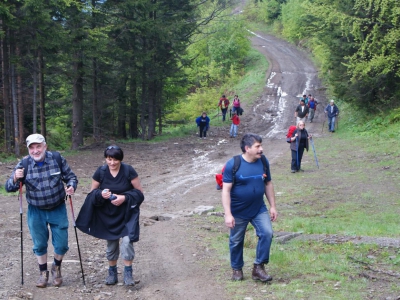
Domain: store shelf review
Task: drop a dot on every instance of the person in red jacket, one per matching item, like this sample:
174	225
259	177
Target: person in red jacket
224	104
235	123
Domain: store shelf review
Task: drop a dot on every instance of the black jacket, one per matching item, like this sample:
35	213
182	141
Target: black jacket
98	217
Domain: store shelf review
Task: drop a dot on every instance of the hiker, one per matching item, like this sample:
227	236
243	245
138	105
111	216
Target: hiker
301	112
235	123
312	105
203	122
236	105
111	212
332	111
243	202
299	142
224	104
43	173
305	99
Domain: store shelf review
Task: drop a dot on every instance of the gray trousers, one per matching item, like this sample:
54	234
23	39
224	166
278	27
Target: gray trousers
127	251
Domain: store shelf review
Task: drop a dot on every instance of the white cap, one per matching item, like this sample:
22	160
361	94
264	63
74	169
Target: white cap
35	138
332	100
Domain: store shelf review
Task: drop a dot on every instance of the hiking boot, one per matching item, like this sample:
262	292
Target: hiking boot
56	275
237	275
128	278
43	279
260	274
293	171
112	277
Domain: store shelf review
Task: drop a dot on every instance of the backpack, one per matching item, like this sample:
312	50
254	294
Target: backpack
56	155
236	166
290	133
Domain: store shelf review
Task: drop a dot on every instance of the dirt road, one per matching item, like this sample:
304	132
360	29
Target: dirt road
173	257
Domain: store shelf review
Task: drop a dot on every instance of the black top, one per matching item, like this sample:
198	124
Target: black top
119	184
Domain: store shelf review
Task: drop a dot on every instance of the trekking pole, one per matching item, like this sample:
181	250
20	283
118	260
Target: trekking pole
77	242
315	154
337	122
297	153
218	112
323	125
22	245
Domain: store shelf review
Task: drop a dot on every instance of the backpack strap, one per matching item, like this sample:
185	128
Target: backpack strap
56	155
264	161
236	165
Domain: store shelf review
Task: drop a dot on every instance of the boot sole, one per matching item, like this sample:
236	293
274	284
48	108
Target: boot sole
256	278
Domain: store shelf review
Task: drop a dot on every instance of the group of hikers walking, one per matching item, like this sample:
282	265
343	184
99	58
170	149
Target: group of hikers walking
111	210
203	121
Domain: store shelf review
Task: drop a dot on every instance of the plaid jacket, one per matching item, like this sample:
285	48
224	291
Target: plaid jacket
44	185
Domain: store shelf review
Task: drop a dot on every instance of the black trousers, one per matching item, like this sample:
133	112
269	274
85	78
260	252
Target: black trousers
203	131
296	165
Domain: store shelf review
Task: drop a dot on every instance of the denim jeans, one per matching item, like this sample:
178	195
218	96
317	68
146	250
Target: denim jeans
38	222
296	158
331	123
233	131
263	227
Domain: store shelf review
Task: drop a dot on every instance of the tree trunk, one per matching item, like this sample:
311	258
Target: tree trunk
43	129
34	98
15	110
133	120
151	121
95	112
77	103
20	104
6	89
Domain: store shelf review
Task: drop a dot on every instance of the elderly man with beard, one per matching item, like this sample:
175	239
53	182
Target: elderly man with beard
45	194
243	201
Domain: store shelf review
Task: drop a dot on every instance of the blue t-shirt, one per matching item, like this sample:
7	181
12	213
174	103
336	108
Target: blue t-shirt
247	195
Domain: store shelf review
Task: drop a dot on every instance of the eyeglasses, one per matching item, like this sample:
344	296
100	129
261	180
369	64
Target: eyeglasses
113	147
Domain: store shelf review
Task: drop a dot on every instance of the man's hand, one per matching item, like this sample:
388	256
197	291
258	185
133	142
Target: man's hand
229	221
272	212
19	173
69	190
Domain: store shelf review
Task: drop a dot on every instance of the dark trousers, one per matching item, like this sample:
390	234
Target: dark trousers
203	131
224	110
294	165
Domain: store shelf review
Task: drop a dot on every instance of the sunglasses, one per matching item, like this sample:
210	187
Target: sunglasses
113	147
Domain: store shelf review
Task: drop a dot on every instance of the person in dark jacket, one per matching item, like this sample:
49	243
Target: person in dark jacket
332	111
301	112
298	143
111	212
203	122
45	193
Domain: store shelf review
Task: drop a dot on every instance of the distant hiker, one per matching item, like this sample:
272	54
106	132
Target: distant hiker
203	122
305	99
246	180
301	112
235	123
236	105
43	173
332	111
219	177
111	212
312	105
224	104
299	142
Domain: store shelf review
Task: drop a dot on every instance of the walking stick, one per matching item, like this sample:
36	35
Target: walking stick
323	124
337	122
22	245
218	113
77	242
315	154
297	153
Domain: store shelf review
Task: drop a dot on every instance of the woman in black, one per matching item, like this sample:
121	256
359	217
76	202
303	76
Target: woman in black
298	142
111	211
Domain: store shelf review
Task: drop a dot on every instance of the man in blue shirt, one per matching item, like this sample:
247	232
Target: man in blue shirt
45	194
332	111
243	202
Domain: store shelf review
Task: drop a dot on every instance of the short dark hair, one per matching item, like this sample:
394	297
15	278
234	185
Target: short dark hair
223	96
114	151
248	140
